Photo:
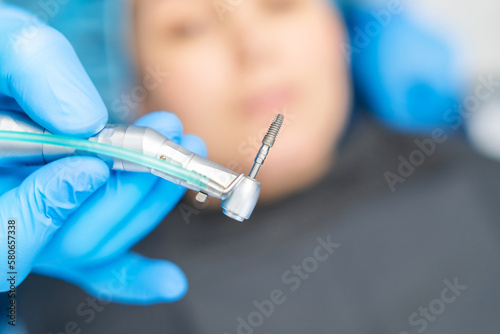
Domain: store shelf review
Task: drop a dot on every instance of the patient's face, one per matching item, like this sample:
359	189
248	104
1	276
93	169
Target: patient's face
233	67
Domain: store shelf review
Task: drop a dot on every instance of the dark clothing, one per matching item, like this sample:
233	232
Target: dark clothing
424	258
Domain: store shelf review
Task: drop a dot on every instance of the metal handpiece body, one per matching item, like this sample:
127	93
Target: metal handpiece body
239	193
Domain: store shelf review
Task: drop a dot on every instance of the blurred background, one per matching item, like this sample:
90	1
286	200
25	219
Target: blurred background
476	23
397	248
471	28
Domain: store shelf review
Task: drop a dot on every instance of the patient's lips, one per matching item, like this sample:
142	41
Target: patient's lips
268	101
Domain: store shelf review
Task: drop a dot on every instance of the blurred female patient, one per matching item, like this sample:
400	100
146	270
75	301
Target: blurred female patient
231	69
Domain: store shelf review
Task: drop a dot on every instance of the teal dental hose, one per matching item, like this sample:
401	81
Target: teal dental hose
163	166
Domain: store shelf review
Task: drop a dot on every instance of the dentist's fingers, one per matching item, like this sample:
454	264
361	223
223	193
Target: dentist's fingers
32	212
100	217
129	279
162	199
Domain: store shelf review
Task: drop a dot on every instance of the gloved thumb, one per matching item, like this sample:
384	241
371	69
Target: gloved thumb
32	212
42	76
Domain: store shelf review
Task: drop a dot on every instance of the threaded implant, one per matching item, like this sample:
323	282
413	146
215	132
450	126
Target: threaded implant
273	131
267	143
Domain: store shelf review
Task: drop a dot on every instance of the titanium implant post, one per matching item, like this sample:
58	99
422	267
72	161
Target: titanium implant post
267	143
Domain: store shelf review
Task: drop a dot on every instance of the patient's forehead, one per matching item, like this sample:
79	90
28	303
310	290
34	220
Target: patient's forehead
155	11
215	6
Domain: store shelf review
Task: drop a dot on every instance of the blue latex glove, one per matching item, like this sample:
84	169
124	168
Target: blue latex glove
75	220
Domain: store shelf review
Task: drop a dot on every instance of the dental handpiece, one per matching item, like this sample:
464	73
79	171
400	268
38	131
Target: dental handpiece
239	193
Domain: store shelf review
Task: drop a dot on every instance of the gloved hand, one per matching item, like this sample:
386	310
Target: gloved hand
91	248
74	219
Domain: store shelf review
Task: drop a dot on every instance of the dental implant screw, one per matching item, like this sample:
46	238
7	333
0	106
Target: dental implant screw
267	143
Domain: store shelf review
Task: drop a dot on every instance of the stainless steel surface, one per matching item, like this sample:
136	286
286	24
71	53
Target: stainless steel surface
243	199
18	154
